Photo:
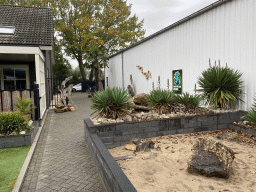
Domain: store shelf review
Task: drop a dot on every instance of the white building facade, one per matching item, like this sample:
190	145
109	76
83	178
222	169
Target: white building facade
225	31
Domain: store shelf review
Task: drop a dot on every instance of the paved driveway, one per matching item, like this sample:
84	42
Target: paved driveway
62	160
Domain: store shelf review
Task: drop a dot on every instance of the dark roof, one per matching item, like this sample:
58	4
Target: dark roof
210	7
33	26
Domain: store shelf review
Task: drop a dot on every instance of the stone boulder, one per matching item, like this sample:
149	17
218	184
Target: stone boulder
228	136
140	99
211	158
143	146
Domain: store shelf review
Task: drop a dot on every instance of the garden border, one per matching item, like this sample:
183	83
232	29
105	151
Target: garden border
101	137
19	140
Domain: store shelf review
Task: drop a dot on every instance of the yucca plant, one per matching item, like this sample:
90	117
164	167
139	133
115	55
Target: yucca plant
111	103
251	115
161	100
221	86
191	102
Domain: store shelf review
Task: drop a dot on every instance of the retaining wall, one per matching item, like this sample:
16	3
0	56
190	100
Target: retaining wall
114	178
113	135
19	140
243	129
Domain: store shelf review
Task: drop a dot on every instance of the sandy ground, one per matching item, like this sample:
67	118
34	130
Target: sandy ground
166	170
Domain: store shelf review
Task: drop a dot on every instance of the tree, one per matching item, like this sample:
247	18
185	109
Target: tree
93	30
62	67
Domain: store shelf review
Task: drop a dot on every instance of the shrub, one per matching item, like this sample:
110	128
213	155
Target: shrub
111	103
251	115
161	100
13	122
221	86
191	102
24	106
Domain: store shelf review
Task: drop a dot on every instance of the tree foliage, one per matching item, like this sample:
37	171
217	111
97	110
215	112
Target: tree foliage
62	67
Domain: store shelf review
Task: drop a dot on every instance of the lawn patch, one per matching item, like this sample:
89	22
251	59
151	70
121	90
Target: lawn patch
11	161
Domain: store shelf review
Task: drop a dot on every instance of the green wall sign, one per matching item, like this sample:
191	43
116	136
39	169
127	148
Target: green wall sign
177	81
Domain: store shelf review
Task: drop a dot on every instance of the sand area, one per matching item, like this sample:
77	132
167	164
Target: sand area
165	169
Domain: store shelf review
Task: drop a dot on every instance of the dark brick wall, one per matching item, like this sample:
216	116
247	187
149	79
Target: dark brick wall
114	178
113	135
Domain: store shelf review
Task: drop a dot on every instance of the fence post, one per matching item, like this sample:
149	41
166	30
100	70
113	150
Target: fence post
37	102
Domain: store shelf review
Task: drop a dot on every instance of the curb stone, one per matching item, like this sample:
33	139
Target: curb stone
29	156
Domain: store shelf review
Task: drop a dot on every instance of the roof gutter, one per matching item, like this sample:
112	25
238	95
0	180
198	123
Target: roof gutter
201	11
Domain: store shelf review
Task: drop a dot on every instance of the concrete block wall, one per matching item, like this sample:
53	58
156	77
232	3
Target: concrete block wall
113	135
114	178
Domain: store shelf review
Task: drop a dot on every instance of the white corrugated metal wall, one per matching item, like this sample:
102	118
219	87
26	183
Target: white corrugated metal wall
225	33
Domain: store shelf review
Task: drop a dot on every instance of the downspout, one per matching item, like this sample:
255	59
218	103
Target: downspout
123	69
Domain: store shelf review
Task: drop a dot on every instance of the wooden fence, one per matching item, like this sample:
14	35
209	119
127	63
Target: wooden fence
9	97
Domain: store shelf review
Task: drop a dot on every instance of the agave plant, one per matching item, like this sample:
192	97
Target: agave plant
189	101
111	103
161	100
251	115
221	86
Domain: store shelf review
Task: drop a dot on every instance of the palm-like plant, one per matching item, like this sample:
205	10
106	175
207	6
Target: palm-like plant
221	86
251	115
189	101
111	103
161	100
24	106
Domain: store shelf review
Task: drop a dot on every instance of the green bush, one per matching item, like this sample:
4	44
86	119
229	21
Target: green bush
161	100
111	103
251	115
13	122
221	86
24	106
189	101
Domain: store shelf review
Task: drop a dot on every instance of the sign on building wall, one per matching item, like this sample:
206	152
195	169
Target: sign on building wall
177	81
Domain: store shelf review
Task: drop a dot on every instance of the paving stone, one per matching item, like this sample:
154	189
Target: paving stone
62	160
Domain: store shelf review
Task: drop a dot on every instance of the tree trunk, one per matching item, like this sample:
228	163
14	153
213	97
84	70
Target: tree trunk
99	85
81	67
91	74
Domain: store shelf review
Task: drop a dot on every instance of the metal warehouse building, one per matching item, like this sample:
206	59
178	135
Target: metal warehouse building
225	31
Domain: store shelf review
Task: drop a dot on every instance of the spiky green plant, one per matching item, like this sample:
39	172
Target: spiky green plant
189	101
221	86
24	106
111	103
13	122
161	100
251	115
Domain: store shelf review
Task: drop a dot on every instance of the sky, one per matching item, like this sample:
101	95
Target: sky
158	14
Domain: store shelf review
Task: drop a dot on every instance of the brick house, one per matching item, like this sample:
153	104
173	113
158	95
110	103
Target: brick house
26	55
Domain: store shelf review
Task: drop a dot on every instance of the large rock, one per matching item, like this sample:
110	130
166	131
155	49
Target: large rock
143	146
140	99
211	158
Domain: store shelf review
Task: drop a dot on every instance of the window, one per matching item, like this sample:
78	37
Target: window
7	30
14	77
